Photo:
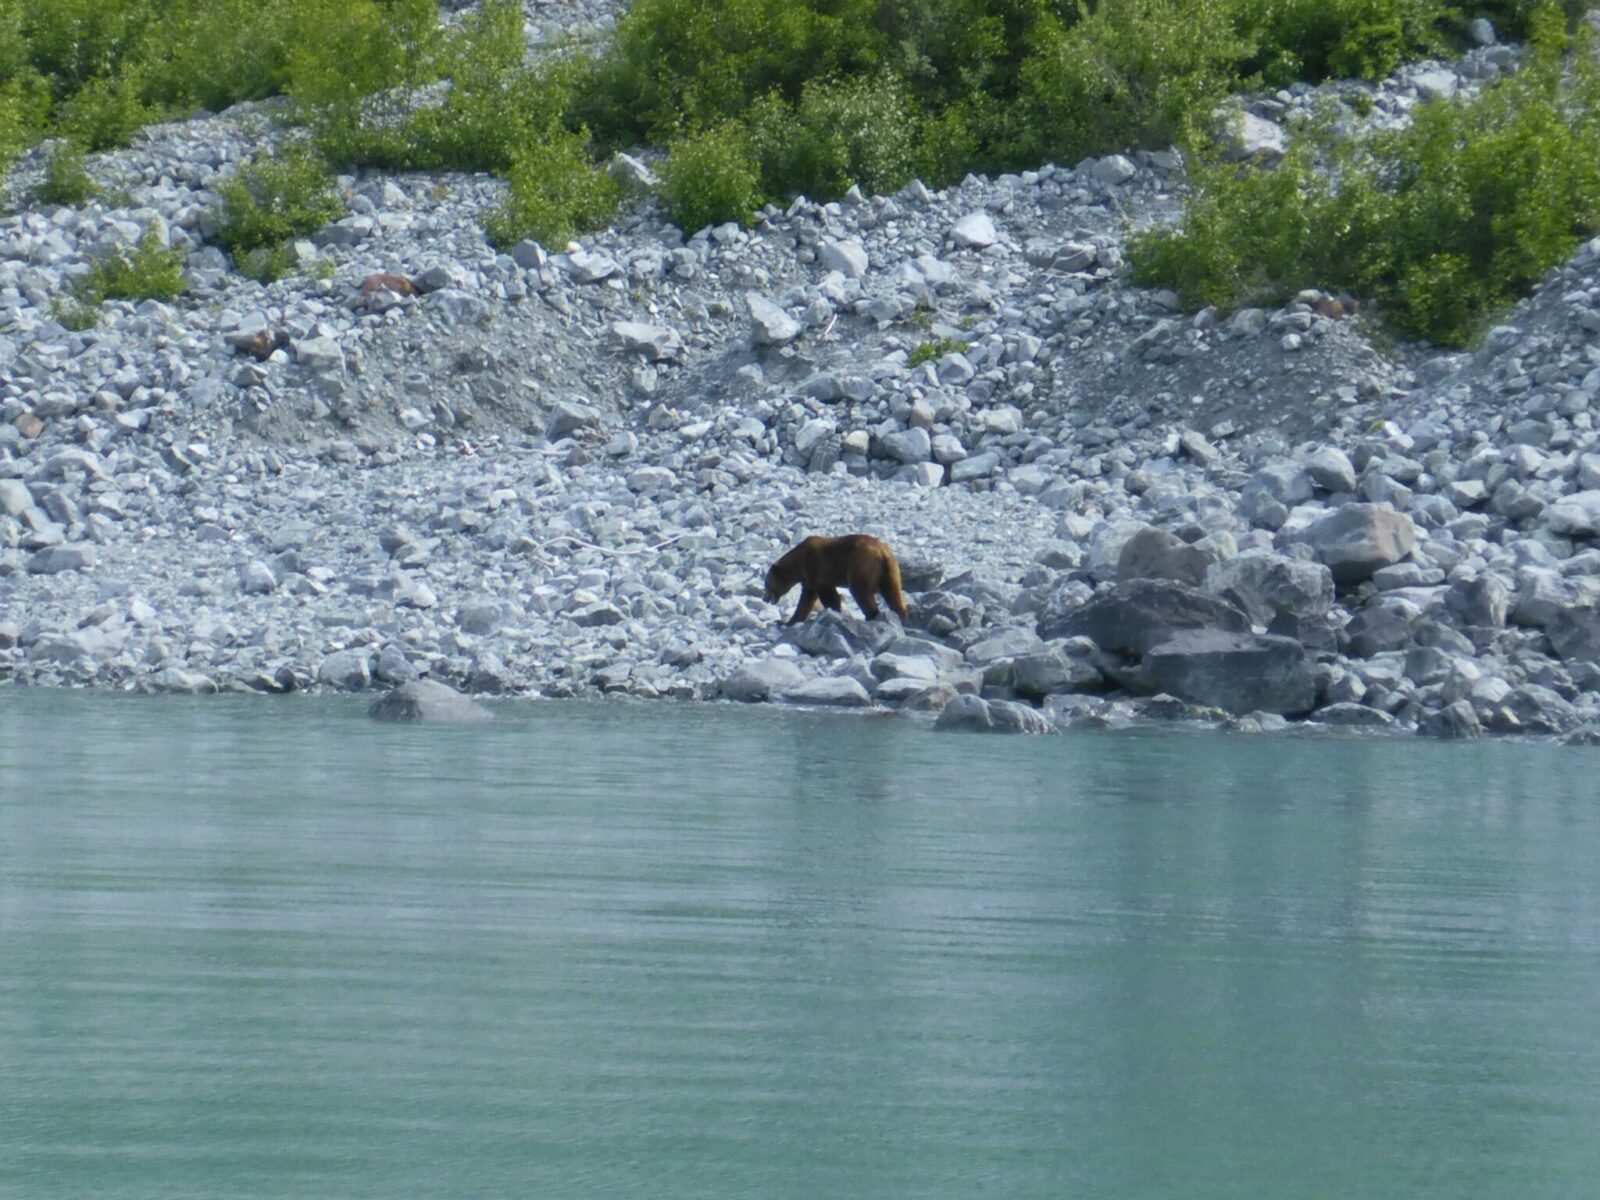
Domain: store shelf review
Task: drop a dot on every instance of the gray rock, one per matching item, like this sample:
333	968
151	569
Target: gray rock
847	257
1378	629
1455	720
568	417
975	231
908	445
1153	553
1247	136
769	324
15	498
1330	469
973	714
346	670
1481	601
257	579
833	635
1114	169
53	560
1575	634
762	679
1133	617
1349	715
430	701
179	681
656	343
1356	539
1051	671
482	617
834	691
1265	585
1536	709
1235	671
1577	515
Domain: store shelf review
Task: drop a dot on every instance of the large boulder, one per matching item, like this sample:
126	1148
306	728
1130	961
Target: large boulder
428	700
1265	584
1356	539
1132	617
1575	633
762	679
834	635
1577	515
347	670
1239	672
1153	553
976	715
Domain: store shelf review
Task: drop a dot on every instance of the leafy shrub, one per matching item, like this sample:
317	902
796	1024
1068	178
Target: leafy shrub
274	198
853	131
150	272
932	351
556	191
106	112
710	177
1131	73
66	181
1442	221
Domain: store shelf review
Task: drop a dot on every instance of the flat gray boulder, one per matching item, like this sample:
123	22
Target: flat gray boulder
428	700
763	679
1135	616
1235	671
834	691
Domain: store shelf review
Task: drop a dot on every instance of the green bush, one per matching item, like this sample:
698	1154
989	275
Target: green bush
150	272
710	177
854	131
1442	222
556	192
66	180
933	351
274	198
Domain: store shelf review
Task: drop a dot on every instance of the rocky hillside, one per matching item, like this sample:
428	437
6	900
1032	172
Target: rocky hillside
563	470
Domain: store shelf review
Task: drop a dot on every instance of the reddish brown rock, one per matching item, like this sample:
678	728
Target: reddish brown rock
29	425
1329	307
258	344
398	284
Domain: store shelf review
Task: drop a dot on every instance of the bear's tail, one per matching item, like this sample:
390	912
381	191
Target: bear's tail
891	588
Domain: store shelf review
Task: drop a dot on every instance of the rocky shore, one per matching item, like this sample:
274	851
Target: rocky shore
563	471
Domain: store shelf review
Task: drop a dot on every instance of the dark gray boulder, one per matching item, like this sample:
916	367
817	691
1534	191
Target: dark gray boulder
1377	630
1533	708
1454	721
1154	553
1575	633
1266	584
1237	672
973	714
1482	601
1133	617
833	635
428	700
1350	715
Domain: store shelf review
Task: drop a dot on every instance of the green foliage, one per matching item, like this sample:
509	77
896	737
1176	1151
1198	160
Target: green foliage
556	192
66	181
150	272
710	177
840	133
934	350
1442	221
1130	73
276	197
1314	39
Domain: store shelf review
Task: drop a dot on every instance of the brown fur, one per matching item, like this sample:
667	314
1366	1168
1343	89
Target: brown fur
821	564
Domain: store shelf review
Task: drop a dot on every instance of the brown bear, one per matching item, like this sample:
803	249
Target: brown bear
820	564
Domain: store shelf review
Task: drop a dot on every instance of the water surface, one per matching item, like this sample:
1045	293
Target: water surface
267	948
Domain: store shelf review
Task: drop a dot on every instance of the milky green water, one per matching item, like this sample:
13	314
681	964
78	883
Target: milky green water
267	948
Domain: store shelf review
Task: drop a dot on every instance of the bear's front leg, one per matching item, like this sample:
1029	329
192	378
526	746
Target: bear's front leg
808	602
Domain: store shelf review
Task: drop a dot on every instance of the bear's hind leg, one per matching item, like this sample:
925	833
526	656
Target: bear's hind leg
865	598
830	597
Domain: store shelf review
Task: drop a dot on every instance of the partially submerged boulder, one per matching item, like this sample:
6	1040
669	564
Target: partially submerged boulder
428	700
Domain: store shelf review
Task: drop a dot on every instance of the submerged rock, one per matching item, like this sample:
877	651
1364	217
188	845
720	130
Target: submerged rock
428	700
